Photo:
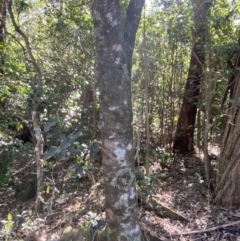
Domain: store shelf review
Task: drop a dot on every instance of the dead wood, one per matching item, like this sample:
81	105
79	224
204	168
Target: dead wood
209	229
159	208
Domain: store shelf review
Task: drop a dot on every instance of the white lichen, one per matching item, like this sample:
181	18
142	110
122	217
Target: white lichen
124	197
124	163
117	61
109	17
115	143
117	47
129	147
125	225
113	108
121	203
120	153
34	113
135	229
111	20
126	183
132	193
112	136
100	124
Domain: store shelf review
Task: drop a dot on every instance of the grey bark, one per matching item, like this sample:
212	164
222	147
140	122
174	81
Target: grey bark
115	40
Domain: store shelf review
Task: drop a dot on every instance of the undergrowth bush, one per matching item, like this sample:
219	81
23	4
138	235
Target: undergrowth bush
12	151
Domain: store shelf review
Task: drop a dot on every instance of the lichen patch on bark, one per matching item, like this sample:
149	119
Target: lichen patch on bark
113	108
117	47
120	153
111	20
118	61
129	147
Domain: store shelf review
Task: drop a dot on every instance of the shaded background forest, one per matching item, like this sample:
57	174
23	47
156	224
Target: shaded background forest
61	38
60	49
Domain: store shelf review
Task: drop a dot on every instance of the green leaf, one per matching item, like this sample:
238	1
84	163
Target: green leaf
95	151
62	155
74	152
66	142
48	190
78	169
48	125
53	150
76	135
9	217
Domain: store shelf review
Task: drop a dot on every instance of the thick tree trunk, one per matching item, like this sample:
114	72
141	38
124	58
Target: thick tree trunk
115	44
227	191
183	141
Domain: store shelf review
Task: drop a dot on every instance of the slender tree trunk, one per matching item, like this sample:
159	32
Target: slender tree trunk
2	34
171	93
115	43
2	45
183	141
146	96
198	128
208	81
34	103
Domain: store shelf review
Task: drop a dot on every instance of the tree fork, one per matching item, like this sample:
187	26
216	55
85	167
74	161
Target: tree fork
115	40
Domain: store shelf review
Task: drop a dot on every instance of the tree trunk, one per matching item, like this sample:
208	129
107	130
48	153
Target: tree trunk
34	103
198	129
2	34
227	191
183	140
115	43
2	46
146	98
208	91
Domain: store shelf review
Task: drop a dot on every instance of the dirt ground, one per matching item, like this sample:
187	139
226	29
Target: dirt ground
73	200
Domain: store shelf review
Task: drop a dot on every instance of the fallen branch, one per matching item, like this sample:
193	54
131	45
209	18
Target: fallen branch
209	229
159	208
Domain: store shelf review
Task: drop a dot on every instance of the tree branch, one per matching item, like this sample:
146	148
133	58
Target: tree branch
23	48
29	51
209	229
131	24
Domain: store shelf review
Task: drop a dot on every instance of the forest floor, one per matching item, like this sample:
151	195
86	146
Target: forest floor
77	201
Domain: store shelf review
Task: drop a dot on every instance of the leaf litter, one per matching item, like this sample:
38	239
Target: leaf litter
77	201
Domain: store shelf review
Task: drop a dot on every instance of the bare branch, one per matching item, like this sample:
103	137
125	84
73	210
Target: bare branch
28	48
209	229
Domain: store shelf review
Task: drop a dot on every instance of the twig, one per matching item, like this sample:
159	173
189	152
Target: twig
209	229
23	48
27	44
29	162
